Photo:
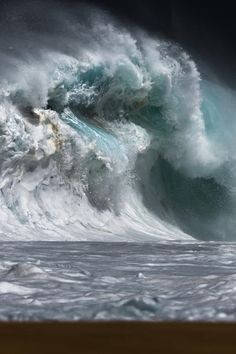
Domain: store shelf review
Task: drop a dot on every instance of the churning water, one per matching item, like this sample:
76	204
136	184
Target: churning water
109	134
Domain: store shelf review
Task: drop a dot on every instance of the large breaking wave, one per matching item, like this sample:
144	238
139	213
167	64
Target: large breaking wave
113	135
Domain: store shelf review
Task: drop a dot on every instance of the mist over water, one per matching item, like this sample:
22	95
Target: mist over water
109	133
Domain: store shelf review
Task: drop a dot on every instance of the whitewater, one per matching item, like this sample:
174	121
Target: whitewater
109	133
113	135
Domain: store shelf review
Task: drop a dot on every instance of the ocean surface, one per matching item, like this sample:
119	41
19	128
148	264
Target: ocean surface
108	133
117	281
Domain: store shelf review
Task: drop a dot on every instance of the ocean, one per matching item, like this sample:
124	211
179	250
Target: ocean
193	281
117	174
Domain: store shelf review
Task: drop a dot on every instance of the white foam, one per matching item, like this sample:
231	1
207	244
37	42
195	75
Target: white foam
59	182
10	288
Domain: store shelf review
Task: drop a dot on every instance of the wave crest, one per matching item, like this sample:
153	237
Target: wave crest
113	140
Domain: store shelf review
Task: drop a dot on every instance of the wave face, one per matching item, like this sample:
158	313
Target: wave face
112	135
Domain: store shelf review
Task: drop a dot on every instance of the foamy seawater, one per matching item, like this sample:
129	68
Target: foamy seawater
110	133
124	281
